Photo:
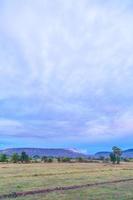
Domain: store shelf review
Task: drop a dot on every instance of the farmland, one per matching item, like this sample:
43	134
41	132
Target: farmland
38	176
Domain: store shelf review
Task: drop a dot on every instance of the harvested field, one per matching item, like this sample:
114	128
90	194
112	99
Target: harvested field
67	181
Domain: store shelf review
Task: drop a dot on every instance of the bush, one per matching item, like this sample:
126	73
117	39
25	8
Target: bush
50	160
80	159
66	159
47	159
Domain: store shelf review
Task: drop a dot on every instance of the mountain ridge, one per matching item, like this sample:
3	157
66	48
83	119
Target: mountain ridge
54	152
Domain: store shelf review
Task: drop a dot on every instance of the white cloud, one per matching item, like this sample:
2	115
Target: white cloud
73	59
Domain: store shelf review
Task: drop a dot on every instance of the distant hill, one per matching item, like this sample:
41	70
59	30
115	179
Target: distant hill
125	154
128	153
44	152
104	154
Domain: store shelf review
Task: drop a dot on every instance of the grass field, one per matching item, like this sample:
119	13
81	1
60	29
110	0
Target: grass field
30	177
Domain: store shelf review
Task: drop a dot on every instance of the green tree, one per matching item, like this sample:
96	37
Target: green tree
15	158
50	160
3	158
118	152
24	157
115	156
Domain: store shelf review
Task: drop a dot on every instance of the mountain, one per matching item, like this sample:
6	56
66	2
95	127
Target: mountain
104	154
125	154
128	153
44	152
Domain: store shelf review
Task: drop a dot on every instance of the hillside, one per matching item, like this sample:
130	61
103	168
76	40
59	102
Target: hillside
44	152
128	153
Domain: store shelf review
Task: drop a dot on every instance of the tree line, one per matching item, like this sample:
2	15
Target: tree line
114	157
25	158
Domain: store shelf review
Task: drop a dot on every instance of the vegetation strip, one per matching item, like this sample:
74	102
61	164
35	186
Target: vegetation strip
65	188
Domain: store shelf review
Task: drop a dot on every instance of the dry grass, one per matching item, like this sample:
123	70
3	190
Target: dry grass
24	177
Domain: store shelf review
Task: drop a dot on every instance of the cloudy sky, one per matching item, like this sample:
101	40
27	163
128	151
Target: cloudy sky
66	74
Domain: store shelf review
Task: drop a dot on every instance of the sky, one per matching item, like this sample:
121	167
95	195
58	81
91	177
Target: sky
66	74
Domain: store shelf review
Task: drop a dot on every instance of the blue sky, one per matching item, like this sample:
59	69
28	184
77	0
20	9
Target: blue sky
66	74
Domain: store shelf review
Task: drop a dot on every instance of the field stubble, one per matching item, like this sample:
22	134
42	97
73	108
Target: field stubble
30	177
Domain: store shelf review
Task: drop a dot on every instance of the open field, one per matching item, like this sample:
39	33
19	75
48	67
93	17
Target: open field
30	177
